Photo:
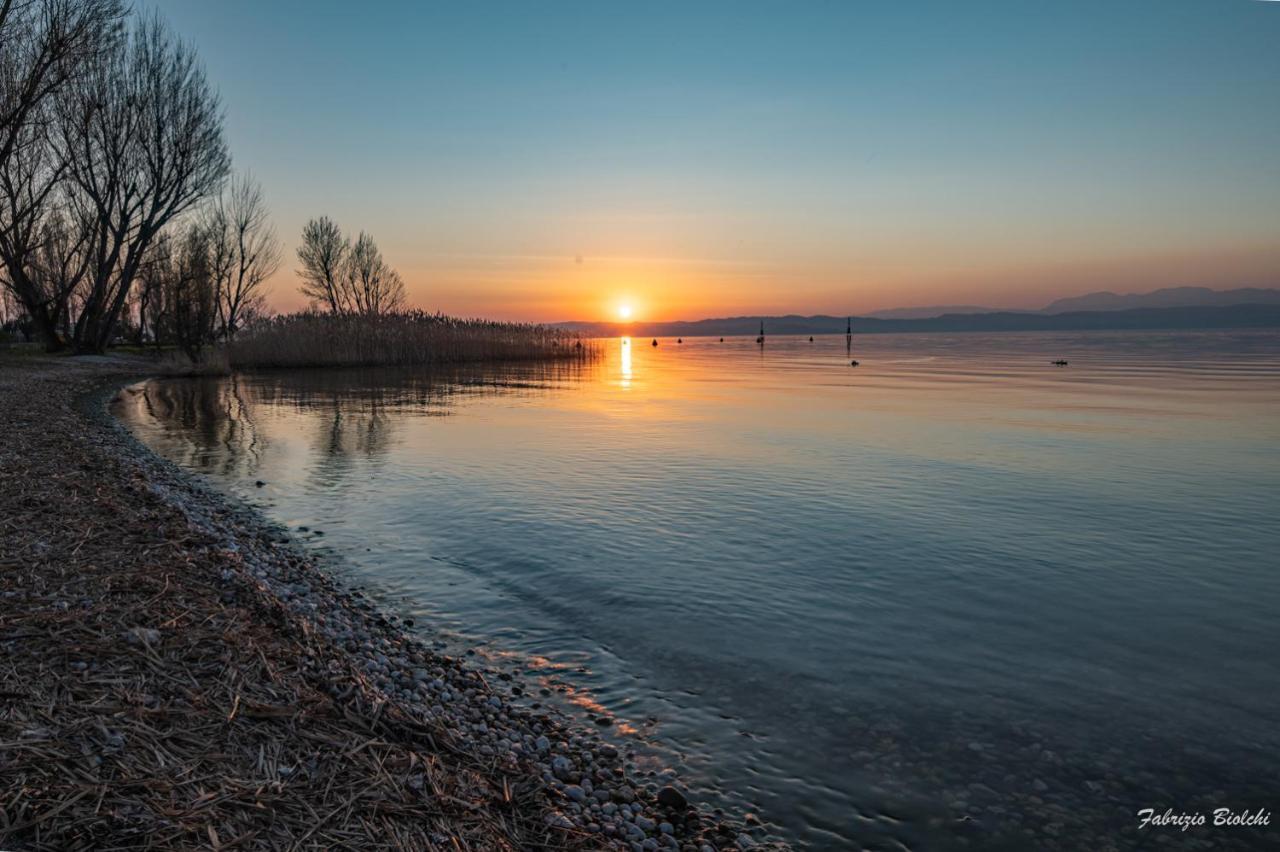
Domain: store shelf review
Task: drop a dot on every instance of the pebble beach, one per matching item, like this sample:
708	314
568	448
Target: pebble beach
181	673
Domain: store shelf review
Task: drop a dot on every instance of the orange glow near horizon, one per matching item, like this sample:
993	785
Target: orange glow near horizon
635	288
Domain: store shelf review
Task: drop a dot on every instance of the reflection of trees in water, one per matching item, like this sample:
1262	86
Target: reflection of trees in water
418	390
345	436
208	423
360	408
212	417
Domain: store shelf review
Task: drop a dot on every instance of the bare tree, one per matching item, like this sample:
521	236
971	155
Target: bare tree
344	277
244	253
149	299
11	312
28	185
141	136
191	292
45	45
62	263
375	288
323	255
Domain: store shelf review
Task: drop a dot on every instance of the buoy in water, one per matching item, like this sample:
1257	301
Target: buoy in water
811	338
655	341
679	340
853	363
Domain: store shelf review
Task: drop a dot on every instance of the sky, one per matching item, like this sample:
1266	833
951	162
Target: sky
554	160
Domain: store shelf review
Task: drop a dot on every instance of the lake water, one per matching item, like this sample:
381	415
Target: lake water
954	597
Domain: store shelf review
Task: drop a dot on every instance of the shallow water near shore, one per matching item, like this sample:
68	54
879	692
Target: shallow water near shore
953	597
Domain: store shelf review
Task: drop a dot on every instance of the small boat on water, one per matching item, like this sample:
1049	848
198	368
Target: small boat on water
1059	363
655	341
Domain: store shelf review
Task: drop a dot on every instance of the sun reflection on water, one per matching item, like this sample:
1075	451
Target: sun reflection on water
625	345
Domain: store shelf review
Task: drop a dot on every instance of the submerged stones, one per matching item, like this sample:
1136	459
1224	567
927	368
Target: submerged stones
671	798
589	786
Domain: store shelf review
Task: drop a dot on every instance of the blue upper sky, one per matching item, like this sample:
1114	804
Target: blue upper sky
548	160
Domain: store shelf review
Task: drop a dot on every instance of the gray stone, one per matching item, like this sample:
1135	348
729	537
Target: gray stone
670	797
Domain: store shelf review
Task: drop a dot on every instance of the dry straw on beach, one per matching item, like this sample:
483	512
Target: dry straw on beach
176	674
148	702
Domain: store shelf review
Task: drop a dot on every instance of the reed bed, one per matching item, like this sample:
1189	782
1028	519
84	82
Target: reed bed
410	338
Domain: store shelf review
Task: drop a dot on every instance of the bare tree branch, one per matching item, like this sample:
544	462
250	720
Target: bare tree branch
244	252
143	141
323	255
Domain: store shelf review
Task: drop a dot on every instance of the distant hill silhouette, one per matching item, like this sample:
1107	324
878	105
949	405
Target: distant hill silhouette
1169	297
1183	317
931	311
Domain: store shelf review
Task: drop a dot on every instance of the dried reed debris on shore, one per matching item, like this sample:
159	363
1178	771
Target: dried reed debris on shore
149	702
176	674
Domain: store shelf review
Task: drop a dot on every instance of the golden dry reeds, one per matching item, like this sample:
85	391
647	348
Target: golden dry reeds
409	338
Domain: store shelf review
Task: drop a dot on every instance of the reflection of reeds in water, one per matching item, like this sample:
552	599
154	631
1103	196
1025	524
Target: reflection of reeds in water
410	338
425	391
353	410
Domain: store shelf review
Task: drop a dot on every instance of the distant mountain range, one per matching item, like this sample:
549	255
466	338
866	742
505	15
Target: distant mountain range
1171	308
1169	297
1105	300
930	311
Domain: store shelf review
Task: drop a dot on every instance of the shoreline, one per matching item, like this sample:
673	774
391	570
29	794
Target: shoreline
235	631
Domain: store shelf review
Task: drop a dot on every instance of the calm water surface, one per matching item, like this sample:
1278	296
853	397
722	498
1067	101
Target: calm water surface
953	597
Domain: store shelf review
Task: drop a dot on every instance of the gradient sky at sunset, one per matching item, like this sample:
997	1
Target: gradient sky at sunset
552	160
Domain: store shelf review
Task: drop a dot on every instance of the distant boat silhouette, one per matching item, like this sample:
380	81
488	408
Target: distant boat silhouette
760	339
853	363
722	340
655	341
1059	363
679	340
811	338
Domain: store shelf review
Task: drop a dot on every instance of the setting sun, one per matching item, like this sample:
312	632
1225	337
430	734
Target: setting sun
624	312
